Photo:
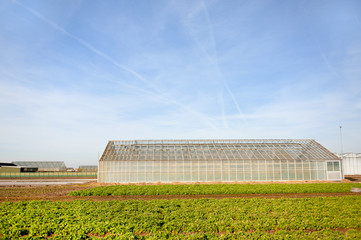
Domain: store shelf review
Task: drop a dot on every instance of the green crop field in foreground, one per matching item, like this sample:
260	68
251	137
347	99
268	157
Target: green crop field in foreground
196	189
304	218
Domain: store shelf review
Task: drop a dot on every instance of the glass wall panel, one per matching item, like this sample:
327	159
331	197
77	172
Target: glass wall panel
299	170
336	166
172	177
164	167
254	169
321	170
195	170
237	169
262	170
213	170
314	175
203	176
270	170
307	175
217	176
246	170
322	174
277	170
187	166
133	177
247	176
292	170
330	166
194	176
210	176
187	177
156	177
284	169
141	177
232	177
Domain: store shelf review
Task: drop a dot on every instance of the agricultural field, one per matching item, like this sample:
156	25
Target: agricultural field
306	218
191	211
210	189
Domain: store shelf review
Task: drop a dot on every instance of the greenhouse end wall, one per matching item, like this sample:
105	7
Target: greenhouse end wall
214	171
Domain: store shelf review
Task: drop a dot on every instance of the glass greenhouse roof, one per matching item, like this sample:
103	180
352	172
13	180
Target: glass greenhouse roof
94	167
188	150
42	164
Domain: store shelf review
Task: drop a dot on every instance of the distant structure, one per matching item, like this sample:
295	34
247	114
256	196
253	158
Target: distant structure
7	164
351	163
44	166
88	168
217	161
12	168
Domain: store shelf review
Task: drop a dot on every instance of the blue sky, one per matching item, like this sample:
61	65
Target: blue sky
75	74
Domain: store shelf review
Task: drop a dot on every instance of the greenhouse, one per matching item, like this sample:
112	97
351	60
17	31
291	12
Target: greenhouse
43	166
87	168
217	161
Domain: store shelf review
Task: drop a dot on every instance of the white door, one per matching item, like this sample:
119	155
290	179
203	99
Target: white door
333	169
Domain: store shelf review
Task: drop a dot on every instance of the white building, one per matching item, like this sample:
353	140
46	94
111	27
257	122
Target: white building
351	163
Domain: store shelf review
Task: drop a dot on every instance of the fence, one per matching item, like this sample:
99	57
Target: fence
47	174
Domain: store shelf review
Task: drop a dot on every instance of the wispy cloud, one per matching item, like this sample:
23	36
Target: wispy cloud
207	44
357	20
216	63
332	69
86	44
82	42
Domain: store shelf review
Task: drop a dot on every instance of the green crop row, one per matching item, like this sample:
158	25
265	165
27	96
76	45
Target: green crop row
312	218
196	189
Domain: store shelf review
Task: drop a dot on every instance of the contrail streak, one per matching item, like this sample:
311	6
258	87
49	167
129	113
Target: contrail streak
224	82
14	76
357	20
168	99
325	59
81	41
213	60
111	60
224	120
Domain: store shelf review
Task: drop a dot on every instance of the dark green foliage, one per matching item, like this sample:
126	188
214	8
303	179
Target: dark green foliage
256	218
196	189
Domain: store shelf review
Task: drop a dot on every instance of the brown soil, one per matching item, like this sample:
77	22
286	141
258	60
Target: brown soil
60	193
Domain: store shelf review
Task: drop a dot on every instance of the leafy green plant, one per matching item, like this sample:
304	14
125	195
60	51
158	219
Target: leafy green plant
304	218
197	189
